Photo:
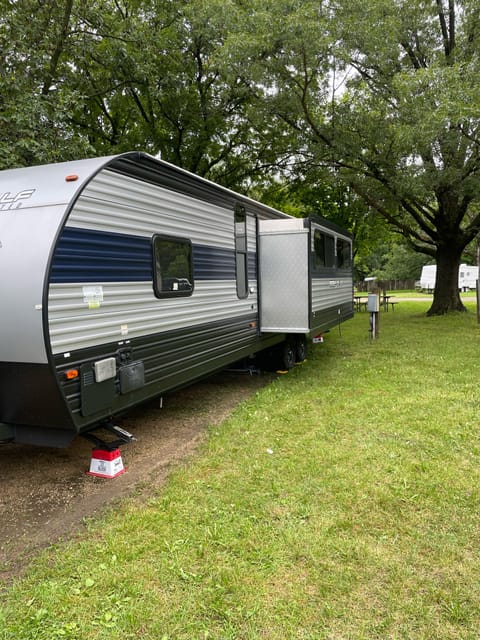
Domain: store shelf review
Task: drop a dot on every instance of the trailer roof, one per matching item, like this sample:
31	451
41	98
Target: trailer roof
145	167
60	183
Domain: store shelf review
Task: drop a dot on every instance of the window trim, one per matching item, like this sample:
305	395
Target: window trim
185	242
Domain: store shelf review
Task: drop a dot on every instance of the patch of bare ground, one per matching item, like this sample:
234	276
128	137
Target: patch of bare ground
46	494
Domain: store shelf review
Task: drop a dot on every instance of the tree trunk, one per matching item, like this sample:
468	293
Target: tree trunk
446	297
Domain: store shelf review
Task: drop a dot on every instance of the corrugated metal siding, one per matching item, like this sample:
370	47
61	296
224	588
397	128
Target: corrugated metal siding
331	292
171	359
84	255
130	310
116	203
120	215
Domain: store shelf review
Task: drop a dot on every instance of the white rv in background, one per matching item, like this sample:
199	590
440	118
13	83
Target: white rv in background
427	278
467	277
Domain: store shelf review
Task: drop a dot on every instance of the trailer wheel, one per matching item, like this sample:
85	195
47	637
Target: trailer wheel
281	357
301	349
287	355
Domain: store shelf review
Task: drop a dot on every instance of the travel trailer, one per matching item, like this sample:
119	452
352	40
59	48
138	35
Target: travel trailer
467	277
125	277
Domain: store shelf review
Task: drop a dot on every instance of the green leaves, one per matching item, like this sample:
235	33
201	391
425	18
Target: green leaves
254	91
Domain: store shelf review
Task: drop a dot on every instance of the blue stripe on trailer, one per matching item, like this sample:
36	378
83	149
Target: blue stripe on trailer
213	263
83	255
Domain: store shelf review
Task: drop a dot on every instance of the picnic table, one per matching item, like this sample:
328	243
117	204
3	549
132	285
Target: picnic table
361	301
386	301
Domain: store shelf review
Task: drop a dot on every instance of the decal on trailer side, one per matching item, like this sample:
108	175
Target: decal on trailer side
9	201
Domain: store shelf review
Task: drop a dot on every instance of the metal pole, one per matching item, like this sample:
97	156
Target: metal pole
478	302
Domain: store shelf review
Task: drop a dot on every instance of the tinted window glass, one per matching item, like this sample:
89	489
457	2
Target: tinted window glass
173	271
344	257
241	254
329	251
319	249
324	250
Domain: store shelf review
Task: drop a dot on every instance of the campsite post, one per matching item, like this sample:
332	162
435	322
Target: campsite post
373	306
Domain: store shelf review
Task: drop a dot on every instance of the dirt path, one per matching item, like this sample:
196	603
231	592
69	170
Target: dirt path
46	494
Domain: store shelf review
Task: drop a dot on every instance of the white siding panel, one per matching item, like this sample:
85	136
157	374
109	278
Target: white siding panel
118	204
131	311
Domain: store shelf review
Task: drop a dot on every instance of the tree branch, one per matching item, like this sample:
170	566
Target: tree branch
448	31
59	47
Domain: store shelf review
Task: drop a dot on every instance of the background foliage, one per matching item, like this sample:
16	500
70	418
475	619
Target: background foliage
360	111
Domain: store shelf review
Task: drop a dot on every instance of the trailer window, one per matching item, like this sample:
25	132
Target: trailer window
324	250
344	255
241	254
173	267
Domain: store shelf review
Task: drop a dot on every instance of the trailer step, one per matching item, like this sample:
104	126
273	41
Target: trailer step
122	436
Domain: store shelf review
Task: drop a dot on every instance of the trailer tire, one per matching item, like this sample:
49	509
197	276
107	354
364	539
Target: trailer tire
301	349
287	355
281	357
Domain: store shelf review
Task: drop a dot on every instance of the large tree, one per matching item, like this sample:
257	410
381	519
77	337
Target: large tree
105	76
35	103
403	128
152	77
414	89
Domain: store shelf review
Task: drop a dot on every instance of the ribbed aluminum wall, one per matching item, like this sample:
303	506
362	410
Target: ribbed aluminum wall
124	214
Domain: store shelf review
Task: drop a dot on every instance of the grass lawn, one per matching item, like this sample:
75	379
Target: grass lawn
342	502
